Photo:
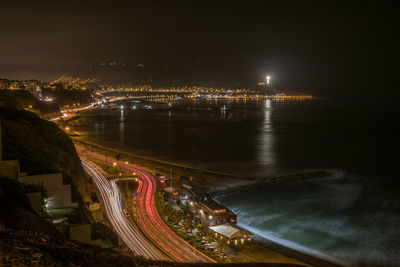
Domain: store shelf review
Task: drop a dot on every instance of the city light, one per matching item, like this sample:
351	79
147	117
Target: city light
268	78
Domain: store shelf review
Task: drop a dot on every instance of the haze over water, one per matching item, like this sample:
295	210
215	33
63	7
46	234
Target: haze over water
256	139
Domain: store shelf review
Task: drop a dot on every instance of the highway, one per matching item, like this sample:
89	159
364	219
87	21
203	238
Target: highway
112	200
153	225
146	215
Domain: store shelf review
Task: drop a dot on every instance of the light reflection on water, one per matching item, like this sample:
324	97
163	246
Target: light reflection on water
257	139
122	128
265	156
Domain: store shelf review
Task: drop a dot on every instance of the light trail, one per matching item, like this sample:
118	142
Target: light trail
149	220
66	114
112	200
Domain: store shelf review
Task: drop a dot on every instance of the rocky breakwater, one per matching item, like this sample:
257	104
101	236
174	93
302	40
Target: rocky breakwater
275	180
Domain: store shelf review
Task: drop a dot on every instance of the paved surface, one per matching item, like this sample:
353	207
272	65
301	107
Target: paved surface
147	217
112	199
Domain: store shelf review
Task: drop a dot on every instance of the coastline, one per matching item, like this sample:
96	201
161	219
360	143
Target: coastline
235	184
293	177
311	259
202	177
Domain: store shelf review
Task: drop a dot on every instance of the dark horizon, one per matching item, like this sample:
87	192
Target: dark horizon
327	49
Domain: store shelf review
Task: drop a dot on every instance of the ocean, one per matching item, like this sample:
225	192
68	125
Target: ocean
350	218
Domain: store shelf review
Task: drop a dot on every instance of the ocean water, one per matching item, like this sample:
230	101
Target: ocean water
321	218
339	218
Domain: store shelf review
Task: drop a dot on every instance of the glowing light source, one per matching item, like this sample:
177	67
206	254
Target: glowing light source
268	78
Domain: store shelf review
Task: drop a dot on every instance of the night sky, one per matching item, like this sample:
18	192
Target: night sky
328	49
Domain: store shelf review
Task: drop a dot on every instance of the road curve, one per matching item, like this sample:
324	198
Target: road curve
147	213
112	200
150	222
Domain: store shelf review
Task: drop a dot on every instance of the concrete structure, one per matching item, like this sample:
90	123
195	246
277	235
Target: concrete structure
215	213
94	234
36	201
211	206
230	232
83	233
59	195
9	169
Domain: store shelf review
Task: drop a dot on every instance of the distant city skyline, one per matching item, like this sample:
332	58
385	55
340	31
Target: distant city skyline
326	49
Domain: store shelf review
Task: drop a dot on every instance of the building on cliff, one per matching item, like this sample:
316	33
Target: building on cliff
59	194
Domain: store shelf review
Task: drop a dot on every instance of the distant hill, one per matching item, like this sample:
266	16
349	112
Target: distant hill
21	99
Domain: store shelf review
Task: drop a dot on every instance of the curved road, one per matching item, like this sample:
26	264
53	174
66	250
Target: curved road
112	199
149	220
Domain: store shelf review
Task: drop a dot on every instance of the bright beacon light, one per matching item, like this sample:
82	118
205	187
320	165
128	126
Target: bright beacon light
268	78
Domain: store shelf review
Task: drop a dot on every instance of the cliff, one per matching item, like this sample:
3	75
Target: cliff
16	211
41	147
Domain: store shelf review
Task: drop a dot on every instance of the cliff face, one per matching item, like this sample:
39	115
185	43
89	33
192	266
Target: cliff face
17	213
41	147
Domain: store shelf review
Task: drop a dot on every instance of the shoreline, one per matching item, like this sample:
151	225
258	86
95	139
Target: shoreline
157	161
236	186
293	177
291	252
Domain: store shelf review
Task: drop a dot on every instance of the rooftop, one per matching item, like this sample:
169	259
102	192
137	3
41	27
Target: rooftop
212	204
229	231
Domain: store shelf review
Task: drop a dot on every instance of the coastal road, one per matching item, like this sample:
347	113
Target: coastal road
112	199
147	216
150	222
